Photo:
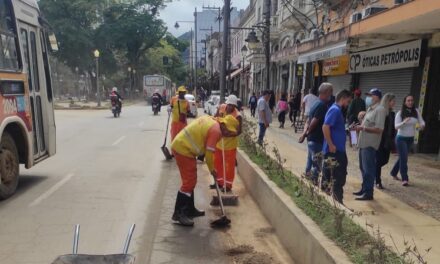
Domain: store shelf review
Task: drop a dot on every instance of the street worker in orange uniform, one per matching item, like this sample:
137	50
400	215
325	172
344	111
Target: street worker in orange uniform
228	145
179	108
198	138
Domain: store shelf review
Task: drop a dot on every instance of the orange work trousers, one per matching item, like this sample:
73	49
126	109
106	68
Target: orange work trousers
188	172
230	156
176	127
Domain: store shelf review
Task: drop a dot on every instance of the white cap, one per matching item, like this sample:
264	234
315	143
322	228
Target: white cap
232	100
114	89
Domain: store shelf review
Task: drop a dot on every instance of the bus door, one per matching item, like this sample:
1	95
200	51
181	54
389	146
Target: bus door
29	45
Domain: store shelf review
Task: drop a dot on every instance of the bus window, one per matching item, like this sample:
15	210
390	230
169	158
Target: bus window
25	46
46	66
34	62
8	40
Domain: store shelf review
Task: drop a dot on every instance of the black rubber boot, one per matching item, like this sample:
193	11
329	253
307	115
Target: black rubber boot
181	209
193	211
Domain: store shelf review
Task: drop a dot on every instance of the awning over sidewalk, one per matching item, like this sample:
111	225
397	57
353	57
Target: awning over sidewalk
234	73
336	50
412	20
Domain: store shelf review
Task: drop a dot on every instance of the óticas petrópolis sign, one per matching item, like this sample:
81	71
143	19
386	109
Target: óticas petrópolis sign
404	55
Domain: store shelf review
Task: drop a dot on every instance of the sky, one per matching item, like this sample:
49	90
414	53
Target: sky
182	10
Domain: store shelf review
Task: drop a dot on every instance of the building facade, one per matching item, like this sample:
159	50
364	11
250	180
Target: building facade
393	45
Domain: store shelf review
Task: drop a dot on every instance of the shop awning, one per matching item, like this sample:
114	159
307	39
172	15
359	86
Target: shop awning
333	51
412	20
234	73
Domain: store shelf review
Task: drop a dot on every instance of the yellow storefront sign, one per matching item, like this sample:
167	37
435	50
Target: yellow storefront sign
334	66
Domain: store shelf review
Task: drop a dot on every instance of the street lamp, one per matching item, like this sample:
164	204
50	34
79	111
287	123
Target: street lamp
252	40
98	92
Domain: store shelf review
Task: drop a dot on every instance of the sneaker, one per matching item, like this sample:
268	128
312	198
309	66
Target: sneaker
405	183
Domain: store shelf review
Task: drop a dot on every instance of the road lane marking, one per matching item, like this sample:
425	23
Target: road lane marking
52	190
118	141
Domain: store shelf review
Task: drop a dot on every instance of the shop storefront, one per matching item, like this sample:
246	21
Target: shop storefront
335	71
313	65
390	69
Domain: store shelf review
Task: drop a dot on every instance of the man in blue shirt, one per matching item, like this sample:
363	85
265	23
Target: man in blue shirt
334	144
313	131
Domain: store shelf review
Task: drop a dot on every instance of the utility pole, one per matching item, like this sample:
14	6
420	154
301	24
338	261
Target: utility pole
267	41
225	47
195	53
191	62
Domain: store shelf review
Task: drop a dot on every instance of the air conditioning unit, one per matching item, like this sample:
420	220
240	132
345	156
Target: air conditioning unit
399	2
356	17
371	10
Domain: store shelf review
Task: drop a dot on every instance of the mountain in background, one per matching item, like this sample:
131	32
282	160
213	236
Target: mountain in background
185	37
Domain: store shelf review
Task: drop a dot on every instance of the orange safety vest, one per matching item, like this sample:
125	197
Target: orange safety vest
230	143
179	107
190	142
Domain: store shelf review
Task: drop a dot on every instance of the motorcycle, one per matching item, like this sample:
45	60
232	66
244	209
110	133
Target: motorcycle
155	104
116	108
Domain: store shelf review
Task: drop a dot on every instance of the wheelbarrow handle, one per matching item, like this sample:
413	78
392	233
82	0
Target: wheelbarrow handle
128	240
76	240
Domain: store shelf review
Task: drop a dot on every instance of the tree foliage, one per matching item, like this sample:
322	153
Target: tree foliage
127	33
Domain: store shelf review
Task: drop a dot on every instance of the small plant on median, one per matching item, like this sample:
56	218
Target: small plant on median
335	223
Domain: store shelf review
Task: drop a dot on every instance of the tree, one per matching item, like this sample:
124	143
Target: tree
131	29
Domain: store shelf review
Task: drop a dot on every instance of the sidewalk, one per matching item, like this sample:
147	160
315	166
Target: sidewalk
396	210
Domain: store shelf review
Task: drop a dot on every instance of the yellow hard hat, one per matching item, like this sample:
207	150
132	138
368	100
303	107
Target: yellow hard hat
182	89
230	122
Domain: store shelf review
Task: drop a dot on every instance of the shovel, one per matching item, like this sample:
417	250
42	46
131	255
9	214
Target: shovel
223	221
164	149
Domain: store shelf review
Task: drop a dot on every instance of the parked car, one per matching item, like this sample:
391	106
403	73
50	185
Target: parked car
192	105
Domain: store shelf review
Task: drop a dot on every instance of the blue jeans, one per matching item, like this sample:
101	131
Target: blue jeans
403	145
367	164
313	166
261	133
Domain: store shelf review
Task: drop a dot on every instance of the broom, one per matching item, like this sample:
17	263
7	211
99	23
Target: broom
164	149
223	221
227	199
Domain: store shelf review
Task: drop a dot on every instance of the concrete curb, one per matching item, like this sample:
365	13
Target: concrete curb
302	238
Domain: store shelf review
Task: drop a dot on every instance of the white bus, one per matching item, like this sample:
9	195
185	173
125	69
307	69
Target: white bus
27	123
158	82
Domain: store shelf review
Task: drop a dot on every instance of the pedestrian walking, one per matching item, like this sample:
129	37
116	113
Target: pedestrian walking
272	100
282	109
294	106
313	131
264	115
370	134
356	106
334	145
253	104
387	142
197	139
406	122
228	147
307	102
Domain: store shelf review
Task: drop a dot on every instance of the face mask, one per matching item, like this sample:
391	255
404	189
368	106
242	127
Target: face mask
368	101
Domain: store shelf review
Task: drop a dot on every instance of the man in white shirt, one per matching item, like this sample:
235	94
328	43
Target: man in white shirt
308	101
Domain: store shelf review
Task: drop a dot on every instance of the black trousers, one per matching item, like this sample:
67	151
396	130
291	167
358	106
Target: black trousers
282	118
339	176
292	115
253	107
382	158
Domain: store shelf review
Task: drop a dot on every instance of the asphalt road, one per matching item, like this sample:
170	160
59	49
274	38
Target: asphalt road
107	174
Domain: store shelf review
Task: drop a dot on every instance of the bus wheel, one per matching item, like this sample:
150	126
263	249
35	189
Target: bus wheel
9	166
